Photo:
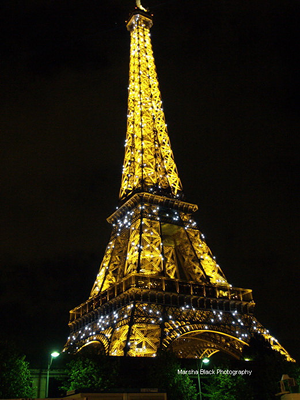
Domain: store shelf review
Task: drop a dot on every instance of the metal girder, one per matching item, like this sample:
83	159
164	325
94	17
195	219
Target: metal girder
157	241
140	329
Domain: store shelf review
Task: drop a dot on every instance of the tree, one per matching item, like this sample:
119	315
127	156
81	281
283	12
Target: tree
267	365
165	376
100	372
93	372
226	387
15	379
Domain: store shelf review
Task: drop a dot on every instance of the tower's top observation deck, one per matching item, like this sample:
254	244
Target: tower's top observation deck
139	14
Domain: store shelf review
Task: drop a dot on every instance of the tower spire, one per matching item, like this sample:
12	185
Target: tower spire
149	164
139	5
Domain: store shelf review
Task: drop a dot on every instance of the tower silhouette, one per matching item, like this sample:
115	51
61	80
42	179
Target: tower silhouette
159	287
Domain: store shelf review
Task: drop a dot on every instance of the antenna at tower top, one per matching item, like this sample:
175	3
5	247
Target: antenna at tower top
139	5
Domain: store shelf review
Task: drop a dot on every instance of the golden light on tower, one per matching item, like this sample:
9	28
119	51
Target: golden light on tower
158	286
149	245
149	162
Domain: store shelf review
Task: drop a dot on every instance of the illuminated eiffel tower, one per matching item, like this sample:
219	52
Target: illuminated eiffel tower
159	286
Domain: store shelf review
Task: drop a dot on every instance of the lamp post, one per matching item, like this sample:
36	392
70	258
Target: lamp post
54	354
203	361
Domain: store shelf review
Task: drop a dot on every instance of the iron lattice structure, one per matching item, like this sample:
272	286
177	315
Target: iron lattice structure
159	286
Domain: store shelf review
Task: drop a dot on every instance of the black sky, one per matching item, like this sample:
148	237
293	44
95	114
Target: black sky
229	77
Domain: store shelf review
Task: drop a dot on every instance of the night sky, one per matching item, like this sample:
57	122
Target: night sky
229	78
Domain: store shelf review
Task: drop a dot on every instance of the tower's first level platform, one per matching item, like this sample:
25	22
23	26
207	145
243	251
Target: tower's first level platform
141	315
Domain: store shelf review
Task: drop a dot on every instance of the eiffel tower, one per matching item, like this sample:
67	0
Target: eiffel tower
159	286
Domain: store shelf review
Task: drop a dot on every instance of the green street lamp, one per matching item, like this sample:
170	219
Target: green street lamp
53	355
204	360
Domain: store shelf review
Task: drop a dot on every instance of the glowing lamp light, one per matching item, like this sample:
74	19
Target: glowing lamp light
53	355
